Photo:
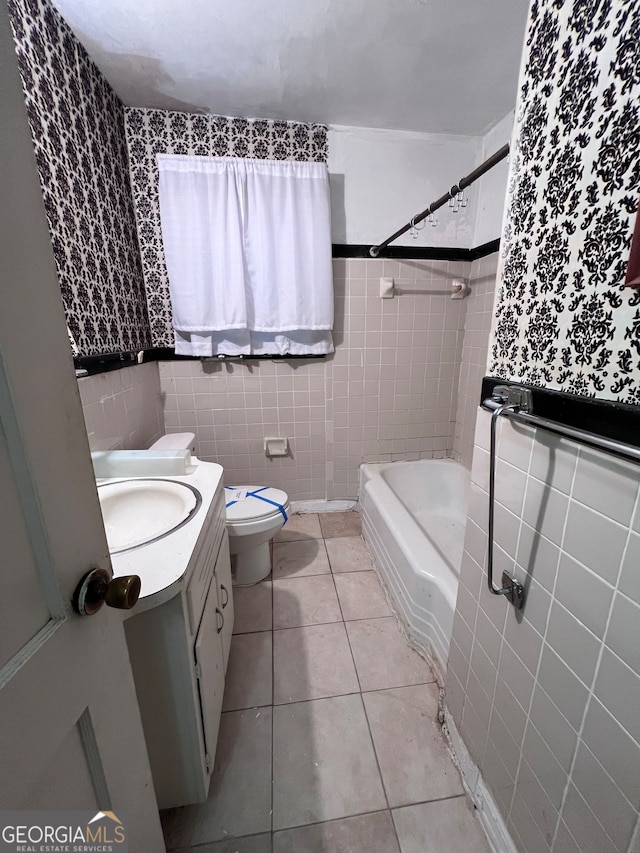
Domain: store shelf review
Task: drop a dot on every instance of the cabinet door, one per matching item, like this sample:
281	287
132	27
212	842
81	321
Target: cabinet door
210	672
225	595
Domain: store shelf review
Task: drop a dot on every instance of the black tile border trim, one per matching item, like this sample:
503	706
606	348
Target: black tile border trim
484	250
90	365
102	363
169	354
619	421
419	253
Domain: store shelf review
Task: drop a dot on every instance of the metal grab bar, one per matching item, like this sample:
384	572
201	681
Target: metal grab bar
512	589
609	445
516	403
489	163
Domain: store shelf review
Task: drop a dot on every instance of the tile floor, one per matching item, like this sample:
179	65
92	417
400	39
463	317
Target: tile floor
329	741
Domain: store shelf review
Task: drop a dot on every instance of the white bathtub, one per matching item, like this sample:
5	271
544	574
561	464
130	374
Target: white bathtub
414	515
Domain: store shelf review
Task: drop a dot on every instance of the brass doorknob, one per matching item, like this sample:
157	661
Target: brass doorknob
97	587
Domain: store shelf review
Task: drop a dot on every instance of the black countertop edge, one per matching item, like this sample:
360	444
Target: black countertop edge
619	421
419	253
89	365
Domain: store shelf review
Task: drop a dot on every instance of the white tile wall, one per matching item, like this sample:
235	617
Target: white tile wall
122	408
396	365
402	385
232	407
477	326
548	702
388	393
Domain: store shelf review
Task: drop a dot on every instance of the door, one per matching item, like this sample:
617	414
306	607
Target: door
70	729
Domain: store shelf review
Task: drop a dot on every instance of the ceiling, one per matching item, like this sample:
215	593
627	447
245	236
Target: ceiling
438	66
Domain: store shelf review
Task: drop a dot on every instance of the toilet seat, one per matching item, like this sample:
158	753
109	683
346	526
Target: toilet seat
247	505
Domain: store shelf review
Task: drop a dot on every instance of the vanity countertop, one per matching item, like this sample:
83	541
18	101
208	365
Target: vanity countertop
163	564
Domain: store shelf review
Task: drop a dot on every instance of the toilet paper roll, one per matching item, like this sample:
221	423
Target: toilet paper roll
276	446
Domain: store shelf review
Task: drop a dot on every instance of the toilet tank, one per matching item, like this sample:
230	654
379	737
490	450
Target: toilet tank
176	441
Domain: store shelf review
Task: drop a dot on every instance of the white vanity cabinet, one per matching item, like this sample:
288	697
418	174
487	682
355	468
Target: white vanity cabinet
225	597
179	651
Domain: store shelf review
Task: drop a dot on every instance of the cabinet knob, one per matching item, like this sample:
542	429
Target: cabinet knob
97	587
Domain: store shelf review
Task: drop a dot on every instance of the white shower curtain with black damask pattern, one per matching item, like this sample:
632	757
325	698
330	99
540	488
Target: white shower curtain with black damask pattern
247	245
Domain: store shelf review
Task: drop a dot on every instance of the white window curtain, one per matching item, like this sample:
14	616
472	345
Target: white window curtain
247	245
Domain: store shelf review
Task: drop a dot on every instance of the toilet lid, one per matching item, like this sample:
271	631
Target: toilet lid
249	503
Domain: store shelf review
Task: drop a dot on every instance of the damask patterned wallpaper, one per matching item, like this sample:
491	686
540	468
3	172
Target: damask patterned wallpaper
563	320
151	132
77	123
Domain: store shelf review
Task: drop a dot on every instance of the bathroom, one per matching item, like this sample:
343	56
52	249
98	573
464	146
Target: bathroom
539	705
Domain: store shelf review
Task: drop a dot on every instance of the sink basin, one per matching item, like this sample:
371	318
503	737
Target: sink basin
137	512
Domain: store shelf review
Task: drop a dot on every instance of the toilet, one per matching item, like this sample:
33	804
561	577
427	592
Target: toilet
176	441
254	515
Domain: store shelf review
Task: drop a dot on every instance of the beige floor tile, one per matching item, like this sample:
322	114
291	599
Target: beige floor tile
247	844
252	608
447	826
249	674
239	801
348	554
369	833
334	524
312	663
383	656
305	601
324	766
361	596
296	559
300	525
413	759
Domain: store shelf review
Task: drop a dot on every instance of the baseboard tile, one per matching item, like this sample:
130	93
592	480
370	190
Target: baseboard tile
322	506
488	812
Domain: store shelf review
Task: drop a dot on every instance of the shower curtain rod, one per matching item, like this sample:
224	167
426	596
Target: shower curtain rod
374	251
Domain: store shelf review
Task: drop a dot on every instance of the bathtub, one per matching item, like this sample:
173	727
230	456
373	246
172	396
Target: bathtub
413	520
